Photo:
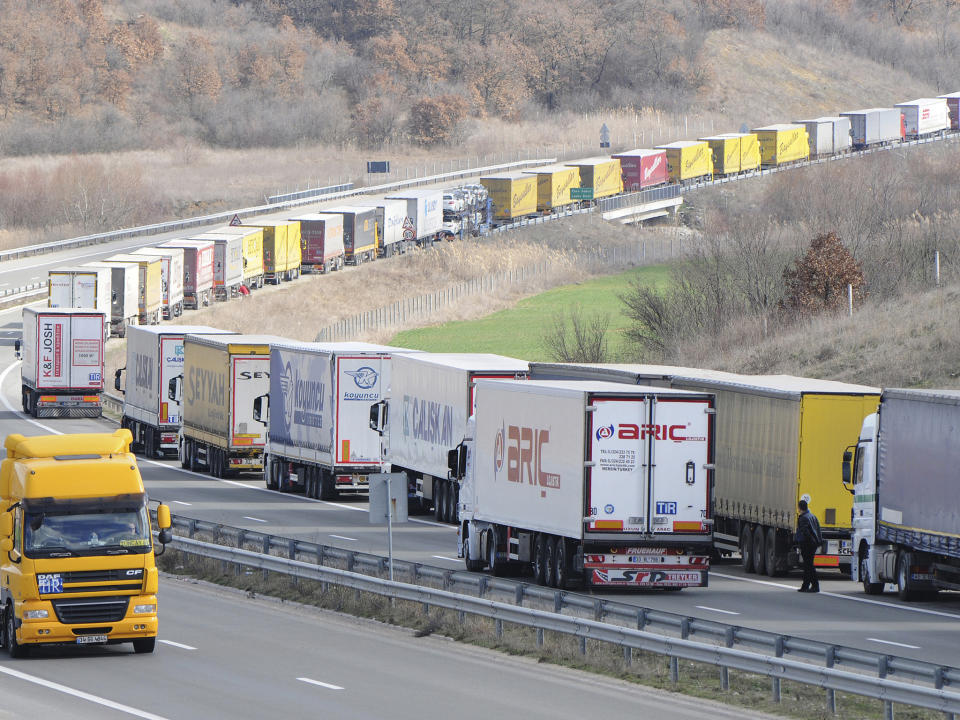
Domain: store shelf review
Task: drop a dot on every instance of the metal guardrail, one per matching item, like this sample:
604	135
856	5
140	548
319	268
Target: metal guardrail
826	655
23	291
776	666
310	192
157	228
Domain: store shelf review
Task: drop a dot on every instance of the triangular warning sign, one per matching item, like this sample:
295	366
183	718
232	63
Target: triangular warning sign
236	220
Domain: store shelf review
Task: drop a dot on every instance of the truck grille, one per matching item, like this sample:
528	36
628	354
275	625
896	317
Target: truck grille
86	576
92	610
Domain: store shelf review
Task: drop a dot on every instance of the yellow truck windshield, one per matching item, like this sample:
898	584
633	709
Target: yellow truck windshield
73	533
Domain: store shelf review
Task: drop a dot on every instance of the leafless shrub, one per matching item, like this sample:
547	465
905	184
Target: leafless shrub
581	339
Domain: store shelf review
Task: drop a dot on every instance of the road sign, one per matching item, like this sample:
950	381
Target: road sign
582	193
408	231
236	220
378	166
604	136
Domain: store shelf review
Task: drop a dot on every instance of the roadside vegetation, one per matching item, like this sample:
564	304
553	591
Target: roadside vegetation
120	112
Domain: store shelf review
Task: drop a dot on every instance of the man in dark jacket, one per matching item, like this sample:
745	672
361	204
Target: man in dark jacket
809	539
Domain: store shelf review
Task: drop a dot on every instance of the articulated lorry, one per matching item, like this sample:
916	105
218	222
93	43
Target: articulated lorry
318	410
197	270
321	242
587	482
424	416
902	475
79	287
154	359
171	276
424	218
281	251
124	294
149	284
778	440
222	376
62	369
77	548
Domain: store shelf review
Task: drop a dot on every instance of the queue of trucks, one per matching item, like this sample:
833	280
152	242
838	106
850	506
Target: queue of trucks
599	474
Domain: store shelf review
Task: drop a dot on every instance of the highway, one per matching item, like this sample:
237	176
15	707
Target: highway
840	614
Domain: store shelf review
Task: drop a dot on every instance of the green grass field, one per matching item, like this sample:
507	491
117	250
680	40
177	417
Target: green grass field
519	331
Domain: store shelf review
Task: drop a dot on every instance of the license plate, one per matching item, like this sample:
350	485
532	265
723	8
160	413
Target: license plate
91	639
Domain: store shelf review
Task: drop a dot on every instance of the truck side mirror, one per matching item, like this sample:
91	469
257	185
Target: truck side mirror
261	409
163	523
846	470
378	417
175	388
16	350
116	379
457	461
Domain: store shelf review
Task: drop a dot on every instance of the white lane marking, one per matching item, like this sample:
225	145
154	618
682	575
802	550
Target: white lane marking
11	408
178	645
321	684
247	517
80	694
850	598
444	557
891	642
344	537
717	610
181	502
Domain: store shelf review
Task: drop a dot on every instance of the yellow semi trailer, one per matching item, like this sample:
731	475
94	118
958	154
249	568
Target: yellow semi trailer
513	195
553	185
783	143
688	160
77	548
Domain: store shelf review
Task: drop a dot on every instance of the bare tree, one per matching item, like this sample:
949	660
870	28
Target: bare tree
583	339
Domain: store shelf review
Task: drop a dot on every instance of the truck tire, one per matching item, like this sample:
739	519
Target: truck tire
14	649
549	564
497	566
561	559
473	564
24	402
143	646
150	443
270	473
439	500
760	550
194	456
746	549
328	485
870	588
184	452
452	503
539	558
904	591
772	561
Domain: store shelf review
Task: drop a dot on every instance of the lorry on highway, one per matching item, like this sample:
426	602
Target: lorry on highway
197	270
222	376
227	263
79	287
281	251
77	547
424	218
62	370
124	295
251	251
587	482
171	276
154	359
776	436
902	475
424	414
321	242
390	215
359	232
149	285
317	411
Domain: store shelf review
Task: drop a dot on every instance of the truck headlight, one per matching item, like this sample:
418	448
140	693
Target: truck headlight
36	615
144	609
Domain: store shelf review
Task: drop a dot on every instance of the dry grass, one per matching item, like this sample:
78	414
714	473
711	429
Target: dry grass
912	341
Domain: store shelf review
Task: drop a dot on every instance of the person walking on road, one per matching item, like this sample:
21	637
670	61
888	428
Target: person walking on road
809	539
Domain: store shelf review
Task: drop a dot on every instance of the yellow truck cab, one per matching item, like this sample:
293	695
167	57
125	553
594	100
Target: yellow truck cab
76	547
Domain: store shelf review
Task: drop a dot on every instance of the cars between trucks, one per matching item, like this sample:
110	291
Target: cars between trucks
222	375
154	359
317	411
587	482
76	547
902	475
424	416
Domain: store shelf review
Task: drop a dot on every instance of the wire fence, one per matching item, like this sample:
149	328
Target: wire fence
419	309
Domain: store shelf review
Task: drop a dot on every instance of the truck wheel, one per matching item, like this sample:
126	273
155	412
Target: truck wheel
771	560
561	559
328	485
870	588
439	500
150	443
451	499
215	462
194	456
746	549
497	567
143	646
183	450
759	550
25	399
539	558
15	649
549	563
904	591
269	473
310	482
473	565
